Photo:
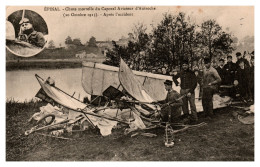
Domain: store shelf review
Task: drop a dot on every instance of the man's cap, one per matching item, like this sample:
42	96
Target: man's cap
238	54
207	60
168	82
229	56
221	60
196	68
240	61
174	70
24	20
185	61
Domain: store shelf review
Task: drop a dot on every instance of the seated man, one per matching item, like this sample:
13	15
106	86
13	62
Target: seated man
28	34
171	108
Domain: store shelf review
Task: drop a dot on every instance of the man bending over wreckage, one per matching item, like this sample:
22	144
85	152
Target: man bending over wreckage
171	107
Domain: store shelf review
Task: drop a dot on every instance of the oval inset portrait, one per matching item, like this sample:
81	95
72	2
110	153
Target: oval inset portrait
26	33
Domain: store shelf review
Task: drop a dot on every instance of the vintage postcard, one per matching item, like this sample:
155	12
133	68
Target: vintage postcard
130	83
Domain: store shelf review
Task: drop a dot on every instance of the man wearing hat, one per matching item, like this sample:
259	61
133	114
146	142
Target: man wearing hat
28	34
240	58
199	76
171	108
230	69
211	79
242	81
221	71
188	85
252	76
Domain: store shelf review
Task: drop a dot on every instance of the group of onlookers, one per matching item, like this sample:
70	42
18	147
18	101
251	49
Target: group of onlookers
239	74
237	77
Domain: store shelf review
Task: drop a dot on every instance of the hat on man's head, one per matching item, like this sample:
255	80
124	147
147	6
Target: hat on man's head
195	68
185	61
207	60
174	70
221	60
229	56
240	61
238	54
168	82
24	20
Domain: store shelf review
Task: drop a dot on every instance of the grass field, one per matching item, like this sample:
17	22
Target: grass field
224	138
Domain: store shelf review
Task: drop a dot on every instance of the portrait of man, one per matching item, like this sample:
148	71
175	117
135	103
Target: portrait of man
26	33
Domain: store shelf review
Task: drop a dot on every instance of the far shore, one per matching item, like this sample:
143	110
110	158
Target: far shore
28	64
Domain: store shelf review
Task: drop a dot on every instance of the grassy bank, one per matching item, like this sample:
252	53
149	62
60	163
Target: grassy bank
224	138
48	63
24	65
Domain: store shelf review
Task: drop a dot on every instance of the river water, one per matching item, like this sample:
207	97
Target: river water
22	85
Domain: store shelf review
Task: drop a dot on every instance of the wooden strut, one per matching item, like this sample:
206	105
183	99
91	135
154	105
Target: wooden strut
185	127
91	123
176	100
140	102
44	127
101	116
48	126
81	111
189	126
37	76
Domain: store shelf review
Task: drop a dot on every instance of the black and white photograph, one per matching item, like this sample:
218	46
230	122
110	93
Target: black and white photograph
130	83
26	33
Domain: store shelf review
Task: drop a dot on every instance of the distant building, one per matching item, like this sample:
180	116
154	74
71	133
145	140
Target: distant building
70	46
104	44
123	41
83	55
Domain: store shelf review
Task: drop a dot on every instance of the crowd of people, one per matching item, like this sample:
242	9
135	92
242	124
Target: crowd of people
237	78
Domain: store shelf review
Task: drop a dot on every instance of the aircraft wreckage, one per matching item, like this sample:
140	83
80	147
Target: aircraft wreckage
122	96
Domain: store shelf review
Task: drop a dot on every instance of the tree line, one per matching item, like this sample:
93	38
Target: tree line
76	42
174	39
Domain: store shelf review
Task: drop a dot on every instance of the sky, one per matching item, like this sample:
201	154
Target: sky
239	20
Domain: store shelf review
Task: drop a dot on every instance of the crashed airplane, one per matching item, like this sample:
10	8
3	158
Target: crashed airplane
130	99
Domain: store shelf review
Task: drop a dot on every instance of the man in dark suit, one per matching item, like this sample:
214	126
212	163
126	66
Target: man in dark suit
230	69
252	78
221	71
242	81
188	85
241	58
